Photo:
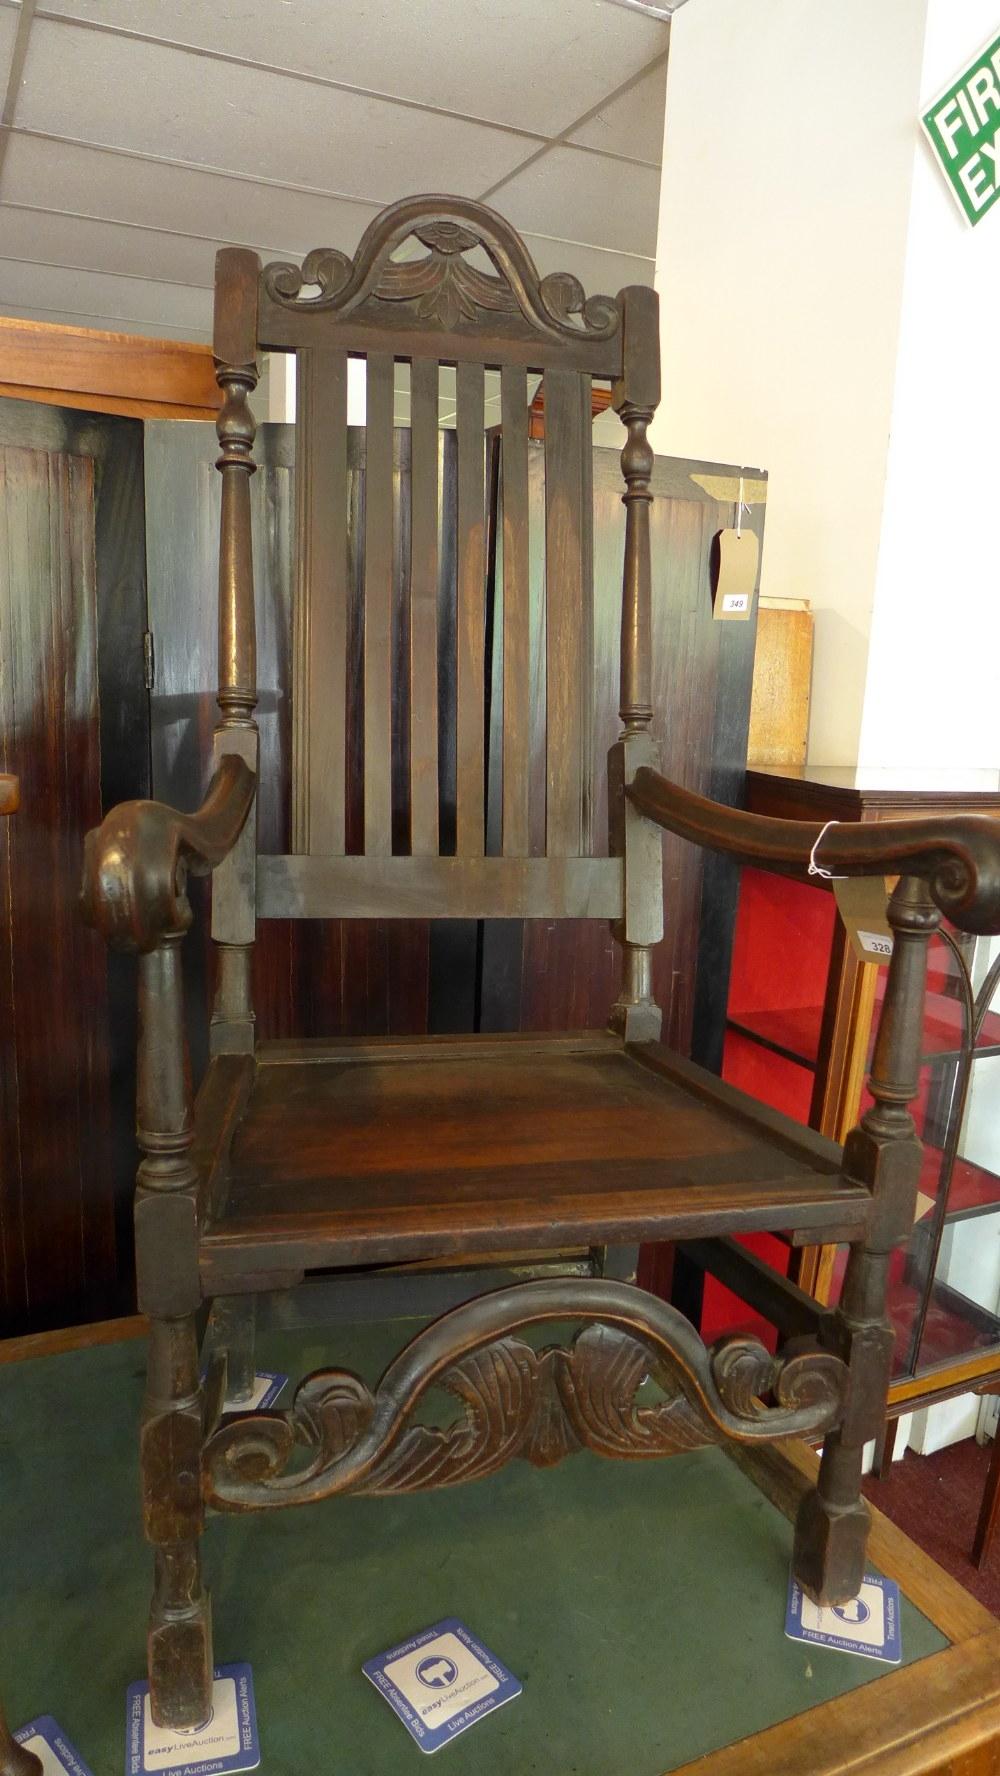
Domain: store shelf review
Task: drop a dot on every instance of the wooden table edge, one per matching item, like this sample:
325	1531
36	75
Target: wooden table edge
940	1708
71	1338
912	1722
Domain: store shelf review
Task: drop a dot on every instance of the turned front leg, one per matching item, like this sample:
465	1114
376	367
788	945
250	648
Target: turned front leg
884	1153
180	1630
831	1534
166	1220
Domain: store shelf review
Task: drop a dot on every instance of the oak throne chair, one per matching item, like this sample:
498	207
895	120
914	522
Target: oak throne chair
305	1156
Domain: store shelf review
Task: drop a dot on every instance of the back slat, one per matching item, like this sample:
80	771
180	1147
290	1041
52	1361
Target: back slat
378	608
423	607
318	776
516	628
567	613
588	687
471	613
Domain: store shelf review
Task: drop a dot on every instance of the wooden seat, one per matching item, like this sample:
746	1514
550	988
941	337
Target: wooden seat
373	1152
446	765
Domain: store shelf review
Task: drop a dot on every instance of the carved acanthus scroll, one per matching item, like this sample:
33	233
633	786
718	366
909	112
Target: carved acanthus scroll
516	1401
443	286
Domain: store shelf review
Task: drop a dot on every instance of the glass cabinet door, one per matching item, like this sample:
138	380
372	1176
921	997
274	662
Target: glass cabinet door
945	1282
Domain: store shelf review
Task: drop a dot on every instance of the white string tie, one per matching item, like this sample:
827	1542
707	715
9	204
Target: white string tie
816	869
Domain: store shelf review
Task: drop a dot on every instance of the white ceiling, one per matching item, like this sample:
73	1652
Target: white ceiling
139	135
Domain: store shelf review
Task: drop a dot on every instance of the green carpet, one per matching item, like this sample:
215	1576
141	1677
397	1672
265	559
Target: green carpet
642	1604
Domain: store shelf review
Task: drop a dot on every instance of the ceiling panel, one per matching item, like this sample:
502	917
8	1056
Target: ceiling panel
600	273
633	123
86	244
74	317
583	197
119	302
469	56
119	188
107	246
141	209
174	105
8	31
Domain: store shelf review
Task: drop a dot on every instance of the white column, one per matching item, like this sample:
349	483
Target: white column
931	695
788	159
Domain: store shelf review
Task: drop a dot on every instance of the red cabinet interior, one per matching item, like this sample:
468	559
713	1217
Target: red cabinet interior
781	955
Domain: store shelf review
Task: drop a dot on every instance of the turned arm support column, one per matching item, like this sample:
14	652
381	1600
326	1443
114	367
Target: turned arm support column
884	1152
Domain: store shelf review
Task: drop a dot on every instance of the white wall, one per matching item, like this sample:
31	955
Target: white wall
931	695
788	158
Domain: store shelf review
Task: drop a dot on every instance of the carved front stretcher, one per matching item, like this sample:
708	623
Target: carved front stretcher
319	1156
519	1401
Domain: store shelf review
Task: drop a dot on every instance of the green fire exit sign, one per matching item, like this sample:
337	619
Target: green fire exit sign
963	127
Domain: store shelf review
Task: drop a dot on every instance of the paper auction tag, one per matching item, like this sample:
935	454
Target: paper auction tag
440	1682
227	1742
862	902
50	1745
867	1626
736	556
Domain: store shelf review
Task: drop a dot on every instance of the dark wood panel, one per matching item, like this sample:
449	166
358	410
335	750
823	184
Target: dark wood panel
568	974
120	549
69	483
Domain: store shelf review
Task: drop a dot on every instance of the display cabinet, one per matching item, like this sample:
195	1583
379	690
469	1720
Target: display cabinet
798	1035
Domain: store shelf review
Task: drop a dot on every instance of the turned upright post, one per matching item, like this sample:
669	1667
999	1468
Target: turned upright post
635	396
233	892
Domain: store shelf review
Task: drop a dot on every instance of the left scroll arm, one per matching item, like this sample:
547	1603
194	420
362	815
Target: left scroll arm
136	862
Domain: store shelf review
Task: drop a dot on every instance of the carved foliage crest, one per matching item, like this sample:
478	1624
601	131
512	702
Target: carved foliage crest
442	286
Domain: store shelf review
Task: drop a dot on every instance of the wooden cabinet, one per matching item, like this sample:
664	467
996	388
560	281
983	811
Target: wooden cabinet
74	726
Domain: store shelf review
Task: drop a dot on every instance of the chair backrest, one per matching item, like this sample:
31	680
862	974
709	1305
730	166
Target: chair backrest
435	282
